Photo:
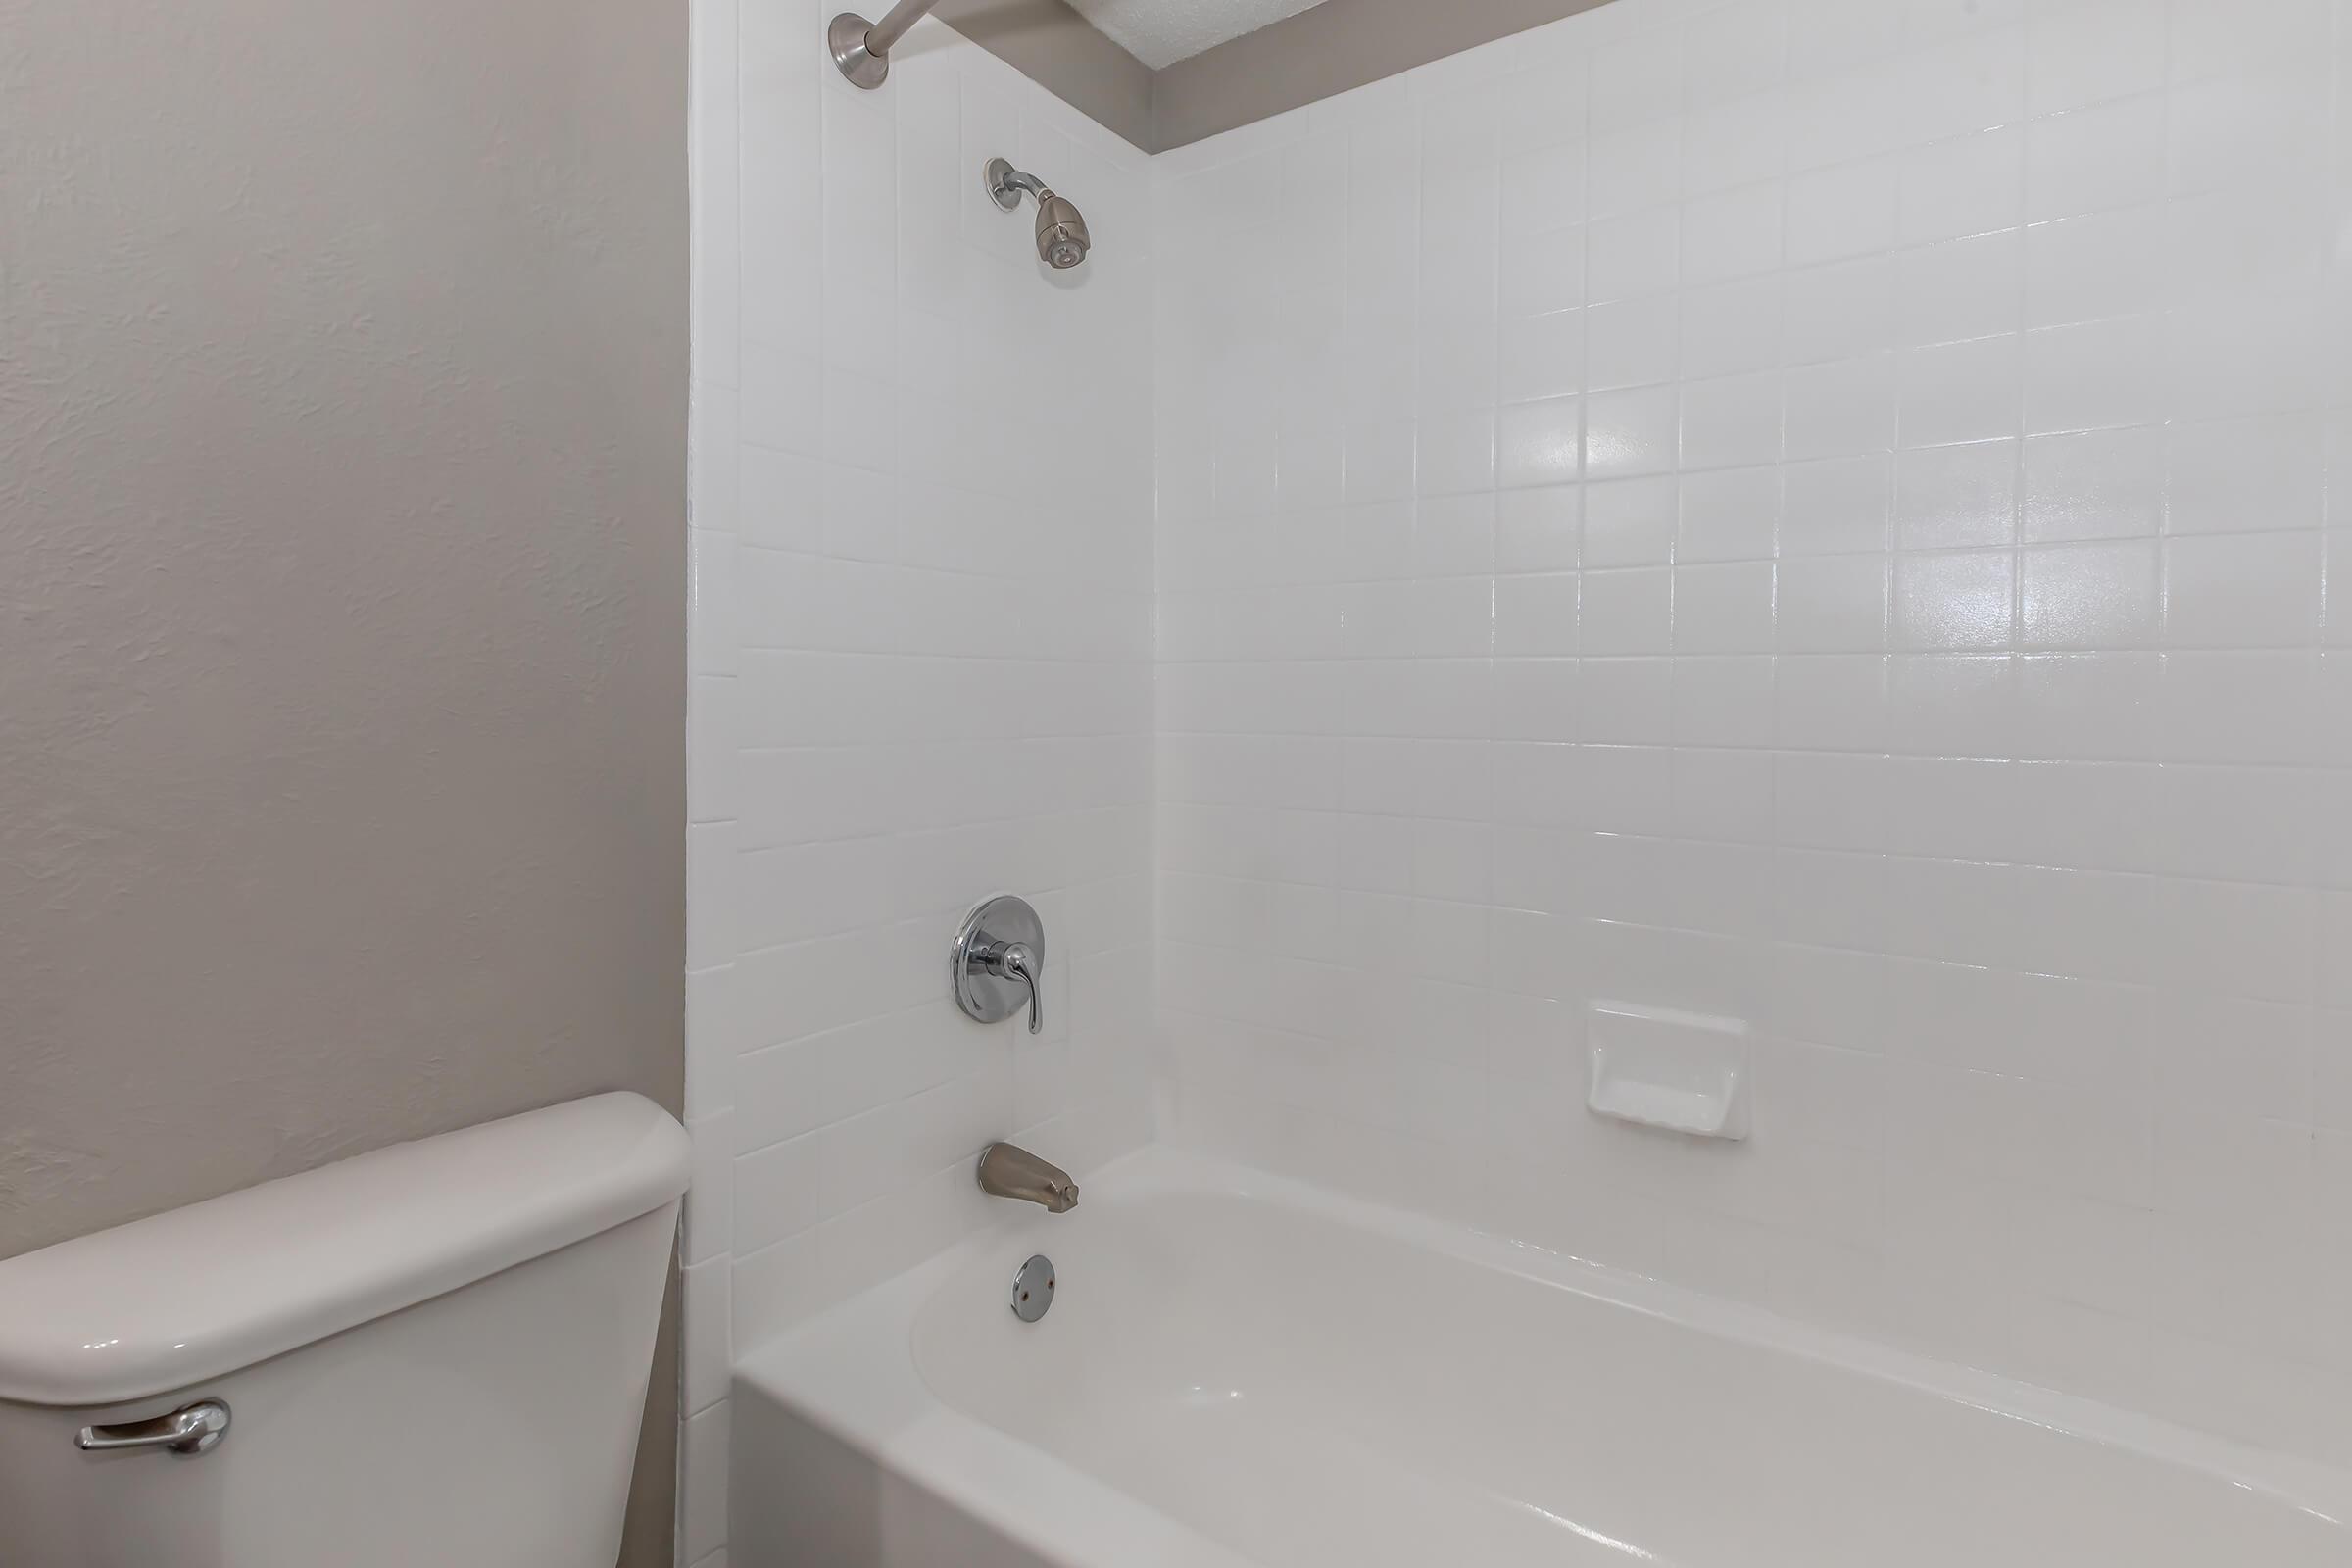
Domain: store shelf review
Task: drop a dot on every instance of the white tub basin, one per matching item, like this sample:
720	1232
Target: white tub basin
1240	1370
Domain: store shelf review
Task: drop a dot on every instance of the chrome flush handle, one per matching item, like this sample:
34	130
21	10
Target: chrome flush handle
188	1431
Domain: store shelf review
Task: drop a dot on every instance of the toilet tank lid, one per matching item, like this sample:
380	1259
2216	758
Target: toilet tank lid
203	1291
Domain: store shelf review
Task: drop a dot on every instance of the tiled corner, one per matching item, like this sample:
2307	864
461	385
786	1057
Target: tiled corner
1900	452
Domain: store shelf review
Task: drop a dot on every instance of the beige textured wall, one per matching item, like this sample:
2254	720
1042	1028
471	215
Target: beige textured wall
342	448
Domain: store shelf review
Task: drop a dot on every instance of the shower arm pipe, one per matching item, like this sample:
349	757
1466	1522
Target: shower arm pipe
1012	179
861	48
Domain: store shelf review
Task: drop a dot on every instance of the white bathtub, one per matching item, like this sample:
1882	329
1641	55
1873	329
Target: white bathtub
1240	1370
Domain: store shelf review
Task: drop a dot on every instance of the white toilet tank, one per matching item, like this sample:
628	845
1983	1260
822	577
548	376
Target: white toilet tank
431	1356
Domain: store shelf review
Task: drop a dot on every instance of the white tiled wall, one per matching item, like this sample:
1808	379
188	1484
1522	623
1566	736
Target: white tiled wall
921	667
1818	510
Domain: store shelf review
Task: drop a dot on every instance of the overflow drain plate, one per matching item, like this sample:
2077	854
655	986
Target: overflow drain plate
1033	1289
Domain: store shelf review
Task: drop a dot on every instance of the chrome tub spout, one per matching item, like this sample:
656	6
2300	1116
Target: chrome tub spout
1007	1171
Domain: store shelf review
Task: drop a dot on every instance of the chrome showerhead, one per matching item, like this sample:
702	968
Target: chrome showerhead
1061	236
1062	241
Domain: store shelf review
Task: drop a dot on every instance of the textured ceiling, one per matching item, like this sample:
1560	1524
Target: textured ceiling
1160	32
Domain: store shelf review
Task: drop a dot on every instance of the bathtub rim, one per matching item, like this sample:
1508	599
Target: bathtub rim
851	1371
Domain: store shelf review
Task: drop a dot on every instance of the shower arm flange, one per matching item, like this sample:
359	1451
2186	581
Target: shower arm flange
861	48
1005	184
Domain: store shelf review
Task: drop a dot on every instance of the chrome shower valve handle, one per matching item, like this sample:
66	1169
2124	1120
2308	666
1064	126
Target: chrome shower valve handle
998	962
1011	960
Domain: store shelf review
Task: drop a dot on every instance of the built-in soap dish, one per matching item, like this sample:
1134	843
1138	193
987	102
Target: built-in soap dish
1685	1072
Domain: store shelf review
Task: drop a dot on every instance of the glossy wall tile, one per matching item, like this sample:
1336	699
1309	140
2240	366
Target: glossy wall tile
1831	515
1820	513
922	570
